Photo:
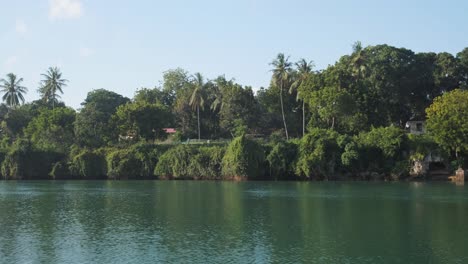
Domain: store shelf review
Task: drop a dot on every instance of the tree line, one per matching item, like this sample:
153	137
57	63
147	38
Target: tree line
348	119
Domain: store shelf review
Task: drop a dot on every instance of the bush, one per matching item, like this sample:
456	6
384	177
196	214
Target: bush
207	162
88	164
243	160
381	148
175	162
191	162
281	159
318	154
23	161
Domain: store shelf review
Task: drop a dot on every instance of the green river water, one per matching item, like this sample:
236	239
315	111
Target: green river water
230	222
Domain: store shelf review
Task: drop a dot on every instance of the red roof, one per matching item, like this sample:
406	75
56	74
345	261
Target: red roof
169	130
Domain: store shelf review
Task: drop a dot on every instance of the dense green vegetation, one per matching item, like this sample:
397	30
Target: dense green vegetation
343	122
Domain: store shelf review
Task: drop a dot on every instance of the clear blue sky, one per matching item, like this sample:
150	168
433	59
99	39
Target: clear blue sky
123	45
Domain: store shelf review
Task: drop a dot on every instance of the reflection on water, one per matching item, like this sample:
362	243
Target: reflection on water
227	222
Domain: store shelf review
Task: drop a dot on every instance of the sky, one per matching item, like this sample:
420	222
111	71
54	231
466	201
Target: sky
123	45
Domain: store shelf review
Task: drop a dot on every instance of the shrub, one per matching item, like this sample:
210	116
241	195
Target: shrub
318	153
243	159
206	163
175	162
123	164
88	164
281	159
23	161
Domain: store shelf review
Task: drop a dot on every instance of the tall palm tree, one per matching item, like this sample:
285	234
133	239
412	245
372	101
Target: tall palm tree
196	100
281	74
52	84
304	70
12	89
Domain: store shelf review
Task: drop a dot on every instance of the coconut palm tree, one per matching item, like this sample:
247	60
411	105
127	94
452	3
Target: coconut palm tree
52	84
12	89
218	103
281	74
358	61
197	100
304	70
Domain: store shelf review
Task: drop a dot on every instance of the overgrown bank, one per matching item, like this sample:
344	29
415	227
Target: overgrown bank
381	154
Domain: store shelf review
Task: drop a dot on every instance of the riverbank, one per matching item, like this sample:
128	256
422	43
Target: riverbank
321	155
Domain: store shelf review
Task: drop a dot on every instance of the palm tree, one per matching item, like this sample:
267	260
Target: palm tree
281	73
52	84
196	100
358	61
304	70
218	103
13	91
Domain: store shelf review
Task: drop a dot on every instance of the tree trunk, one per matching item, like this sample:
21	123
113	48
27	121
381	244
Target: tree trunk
282	111
333	123
198	118
303	118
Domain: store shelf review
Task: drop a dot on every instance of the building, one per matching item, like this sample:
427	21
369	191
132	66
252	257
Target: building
417	127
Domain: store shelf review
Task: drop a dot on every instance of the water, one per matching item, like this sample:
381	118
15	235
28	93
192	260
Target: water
227	222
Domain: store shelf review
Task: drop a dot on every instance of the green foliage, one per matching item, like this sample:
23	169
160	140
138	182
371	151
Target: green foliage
174	163
334	106
92	126
52	85
421	146
319	153
206	163
23	161
142	119
244	159
390	140
182	162
447	121
123	164
136	162
281	159
52	129
12	90
88	164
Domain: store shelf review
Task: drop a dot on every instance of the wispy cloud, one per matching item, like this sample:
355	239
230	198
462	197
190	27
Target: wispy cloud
20	27
85	52
65	9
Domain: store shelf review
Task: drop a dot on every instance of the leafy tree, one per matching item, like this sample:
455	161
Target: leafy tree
237	106
52	85
52	129
447	121
154	96
281	77
12	89
142	119
197	99
333	105
92	125
462	58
